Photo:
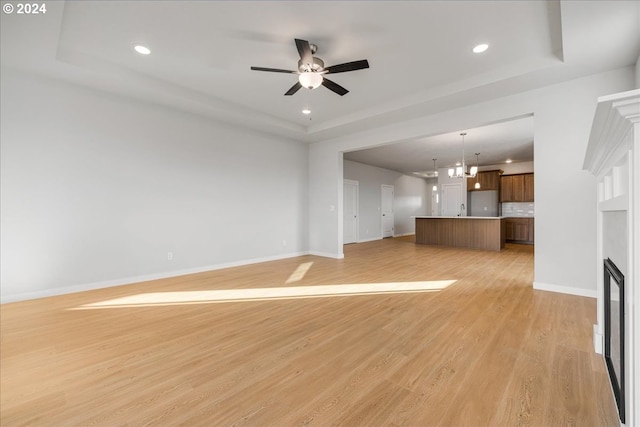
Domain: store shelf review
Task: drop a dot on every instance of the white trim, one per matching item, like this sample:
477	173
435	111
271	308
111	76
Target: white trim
143	278
393	217
633	293
327	254
369	240
404	234
357	185
611	131
591	293
598	340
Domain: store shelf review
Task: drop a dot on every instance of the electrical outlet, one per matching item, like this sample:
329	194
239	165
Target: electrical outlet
284	243
169	256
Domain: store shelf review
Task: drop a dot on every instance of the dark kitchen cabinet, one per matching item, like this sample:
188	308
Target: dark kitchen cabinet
519	230
489	180
528	187
516	188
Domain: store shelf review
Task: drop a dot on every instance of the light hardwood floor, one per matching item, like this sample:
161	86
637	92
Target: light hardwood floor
487	350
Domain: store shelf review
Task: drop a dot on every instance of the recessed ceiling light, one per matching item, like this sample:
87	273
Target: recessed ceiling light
143	50
509	161
480	48
306	111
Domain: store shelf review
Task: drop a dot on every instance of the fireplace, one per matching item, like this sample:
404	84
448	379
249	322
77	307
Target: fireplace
614	331
613	157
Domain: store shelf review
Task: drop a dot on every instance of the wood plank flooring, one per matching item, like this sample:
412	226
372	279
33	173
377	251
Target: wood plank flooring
487	350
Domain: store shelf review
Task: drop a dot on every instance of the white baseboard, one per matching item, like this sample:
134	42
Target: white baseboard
598	340
326	254
369	240
143	278
404	234
591	293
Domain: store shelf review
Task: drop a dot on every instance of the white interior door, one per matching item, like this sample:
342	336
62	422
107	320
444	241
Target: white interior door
350	211
451	199
387	210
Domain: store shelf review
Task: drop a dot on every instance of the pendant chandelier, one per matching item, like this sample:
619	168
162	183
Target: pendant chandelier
477	185
435	173
461	170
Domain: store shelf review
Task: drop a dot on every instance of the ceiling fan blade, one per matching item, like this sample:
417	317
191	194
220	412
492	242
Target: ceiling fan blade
296	87
347	66
305	51
274	70
335	87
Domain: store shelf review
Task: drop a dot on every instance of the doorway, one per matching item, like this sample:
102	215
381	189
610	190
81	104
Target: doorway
451	199
387	210
350	211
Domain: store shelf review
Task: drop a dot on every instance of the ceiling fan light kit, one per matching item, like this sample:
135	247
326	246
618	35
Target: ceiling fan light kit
310	79
311	70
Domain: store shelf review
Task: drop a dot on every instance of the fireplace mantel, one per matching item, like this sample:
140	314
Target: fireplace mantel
613	156
612	131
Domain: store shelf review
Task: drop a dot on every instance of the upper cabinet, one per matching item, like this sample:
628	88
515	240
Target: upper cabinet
516	188
489	180
528	187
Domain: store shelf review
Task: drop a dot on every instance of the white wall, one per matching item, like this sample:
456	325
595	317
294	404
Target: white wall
638	73
410	195
412	198
564	193
96	190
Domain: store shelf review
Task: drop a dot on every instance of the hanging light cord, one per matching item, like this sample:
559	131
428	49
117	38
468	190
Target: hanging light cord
463	165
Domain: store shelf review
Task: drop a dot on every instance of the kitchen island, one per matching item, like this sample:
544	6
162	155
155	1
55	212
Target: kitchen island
471	232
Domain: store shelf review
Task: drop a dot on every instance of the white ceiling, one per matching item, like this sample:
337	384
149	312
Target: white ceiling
419	53
495	143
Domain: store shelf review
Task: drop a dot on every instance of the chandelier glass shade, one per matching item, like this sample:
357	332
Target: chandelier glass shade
477	185
461	170
310	79
435	173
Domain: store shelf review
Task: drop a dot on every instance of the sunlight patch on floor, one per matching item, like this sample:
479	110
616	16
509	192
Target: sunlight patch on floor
299	272
262	294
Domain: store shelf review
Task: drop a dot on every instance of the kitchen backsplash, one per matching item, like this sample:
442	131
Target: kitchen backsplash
518	209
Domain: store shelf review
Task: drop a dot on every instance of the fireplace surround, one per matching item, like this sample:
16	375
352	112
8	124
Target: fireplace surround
613	157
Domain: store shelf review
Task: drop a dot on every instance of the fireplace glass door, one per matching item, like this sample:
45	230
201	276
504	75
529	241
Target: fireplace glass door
614	330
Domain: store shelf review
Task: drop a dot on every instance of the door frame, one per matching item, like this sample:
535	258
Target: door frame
451	186
393	219
356	184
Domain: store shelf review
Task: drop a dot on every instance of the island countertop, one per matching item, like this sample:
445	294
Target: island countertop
473	232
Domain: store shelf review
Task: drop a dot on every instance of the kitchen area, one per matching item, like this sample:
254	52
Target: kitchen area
508	196
517	207
477	190
498	209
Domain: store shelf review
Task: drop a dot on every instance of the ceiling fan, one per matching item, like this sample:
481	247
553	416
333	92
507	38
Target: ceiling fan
311	70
